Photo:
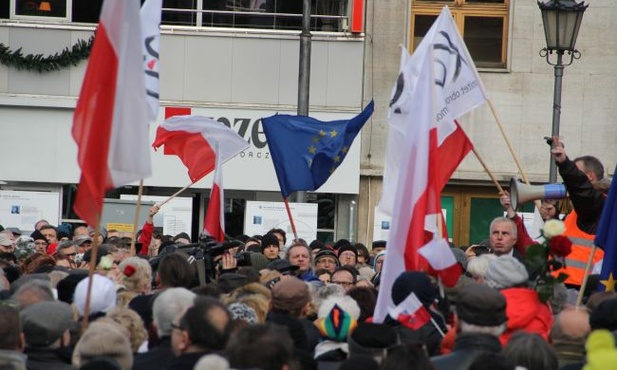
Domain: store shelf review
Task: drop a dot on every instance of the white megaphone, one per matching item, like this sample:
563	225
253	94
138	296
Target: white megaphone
522	193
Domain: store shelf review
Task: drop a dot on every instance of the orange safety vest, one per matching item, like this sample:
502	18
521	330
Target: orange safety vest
582	244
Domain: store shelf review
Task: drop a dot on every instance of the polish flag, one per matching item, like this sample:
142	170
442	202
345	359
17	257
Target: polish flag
150	28
436	85
194	140
411	313
110	123
214	222
441	260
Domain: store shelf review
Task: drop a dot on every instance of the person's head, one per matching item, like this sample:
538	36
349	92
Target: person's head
175	271
103	339
167	306
40	242
65	254
81	230
203	327
32	292
281	236
406	357
373	340
506	272
502	235
549	209
50	232
378	262
378	246
327	260
265	347
604	316
323	275
337	318
290	296
481	310
83	243
571	328
530	351
11	336
344	277
40	223
270	246
363	254
366	298
101	302
591	166
300	255
477	266
47	324
132	322
348	255
414	282
7	244
136	274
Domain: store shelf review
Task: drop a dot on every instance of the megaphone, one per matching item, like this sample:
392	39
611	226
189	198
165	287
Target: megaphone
522	193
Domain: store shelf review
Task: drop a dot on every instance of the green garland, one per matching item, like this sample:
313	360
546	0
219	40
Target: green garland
70	56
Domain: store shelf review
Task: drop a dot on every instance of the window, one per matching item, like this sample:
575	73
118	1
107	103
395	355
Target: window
482	23
46	9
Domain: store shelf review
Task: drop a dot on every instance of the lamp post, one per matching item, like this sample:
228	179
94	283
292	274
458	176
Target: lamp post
562	20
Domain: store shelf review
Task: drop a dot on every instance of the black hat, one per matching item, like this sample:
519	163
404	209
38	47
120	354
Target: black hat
327	253
604	316
282	266
481	305
37	235
269	239
371	339
230	281
317	244
414	282
348	247
378	244
340	243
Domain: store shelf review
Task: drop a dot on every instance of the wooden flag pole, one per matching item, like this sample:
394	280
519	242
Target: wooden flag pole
93	255
176	194
291	219
490	174
136	218
581	291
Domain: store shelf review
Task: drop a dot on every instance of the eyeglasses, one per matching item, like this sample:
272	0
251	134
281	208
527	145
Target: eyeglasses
343	283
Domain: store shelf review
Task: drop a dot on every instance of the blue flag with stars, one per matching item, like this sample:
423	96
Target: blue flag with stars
606	237
306	151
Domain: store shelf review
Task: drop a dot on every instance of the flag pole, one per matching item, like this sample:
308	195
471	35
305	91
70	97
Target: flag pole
176	194
92	267
291	219
136	218
581	291
490	174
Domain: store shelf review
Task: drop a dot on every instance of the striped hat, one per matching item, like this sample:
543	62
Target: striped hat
337	325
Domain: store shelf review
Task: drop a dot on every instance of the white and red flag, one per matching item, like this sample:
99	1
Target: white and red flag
441	261
195	139
214	222
110	124
151	44
436	85
411	313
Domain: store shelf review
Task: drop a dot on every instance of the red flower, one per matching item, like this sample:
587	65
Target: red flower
560	246
129	270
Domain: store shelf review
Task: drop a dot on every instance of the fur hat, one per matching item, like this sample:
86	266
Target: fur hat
45	322
243	312
103	339
103	296
505	272
290	294
481	305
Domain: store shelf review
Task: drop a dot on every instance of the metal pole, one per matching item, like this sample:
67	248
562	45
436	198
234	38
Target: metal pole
304	75
559	67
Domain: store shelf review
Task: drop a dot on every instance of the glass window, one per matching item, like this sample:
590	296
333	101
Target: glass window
45	8
482	23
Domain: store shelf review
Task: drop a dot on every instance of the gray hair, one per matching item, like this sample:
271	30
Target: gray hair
38	289
168	305
504	220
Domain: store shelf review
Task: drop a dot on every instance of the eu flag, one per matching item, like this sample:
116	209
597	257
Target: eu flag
306	151
606	237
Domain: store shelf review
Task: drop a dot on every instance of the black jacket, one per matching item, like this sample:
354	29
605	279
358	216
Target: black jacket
48	359
467	348
158	357
587	201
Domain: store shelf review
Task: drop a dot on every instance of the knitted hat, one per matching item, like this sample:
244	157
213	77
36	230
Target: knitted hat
347	247
103	339
414	282
37	235
290	294
258	261
481	305
102	299
505	272
337	325
601	351
243	312
45	322
327	253
269	239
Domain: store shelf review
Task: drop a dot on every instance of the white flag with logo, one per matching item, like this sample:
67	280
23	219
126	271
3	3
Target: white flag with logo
150	29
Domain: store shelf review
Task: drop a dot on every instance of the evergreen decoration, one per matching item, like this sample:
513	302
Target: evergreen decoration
70	56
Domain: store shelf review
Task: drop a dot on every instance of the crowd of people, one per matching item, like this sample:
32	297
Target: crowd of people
86	299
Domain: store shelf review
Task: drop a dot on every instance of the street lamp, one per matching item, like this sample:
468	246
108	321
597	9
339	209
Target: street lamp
562	20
